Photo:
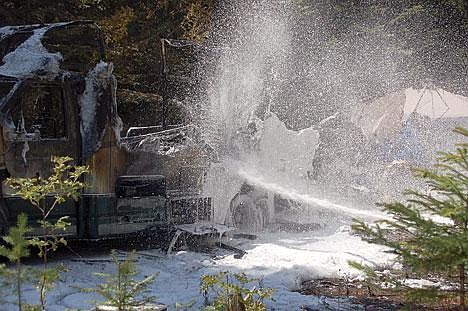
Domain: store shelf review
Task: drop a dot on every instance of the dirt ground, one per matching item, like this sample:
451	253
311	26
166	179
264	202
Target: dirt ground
371	298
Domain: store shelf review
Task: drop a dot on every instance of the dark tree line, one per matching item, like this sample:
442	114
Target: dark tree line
370	47
132	32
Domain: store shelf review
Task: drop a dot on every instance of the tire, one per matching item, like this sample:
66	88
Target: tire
248	215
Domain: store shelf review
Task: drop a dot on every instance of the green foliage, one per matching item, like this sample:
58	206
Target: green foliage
368	270
52	240
17	250
432	226
378	278
232	292
197	19
16	238
64	182
120	289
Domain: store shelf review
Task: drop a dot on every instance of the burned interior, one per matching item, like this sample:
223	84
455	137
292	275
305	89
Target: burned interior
58	98
40	111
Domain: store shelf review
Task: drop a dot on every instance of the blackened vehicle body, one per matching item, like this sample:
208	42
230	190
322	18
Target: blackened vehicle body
58	98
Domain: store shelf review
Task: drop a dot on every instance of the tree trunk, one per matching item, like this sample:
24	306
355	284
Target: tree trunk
462	287
42	290
18	285
235	303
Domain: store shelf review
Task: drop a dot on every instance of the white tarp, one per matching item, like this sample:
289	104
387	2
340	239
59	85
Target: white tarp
435	103
382	119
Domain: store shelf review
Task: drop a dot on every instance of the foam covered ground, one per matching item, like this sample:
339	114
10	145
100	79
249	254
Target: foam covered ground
283	260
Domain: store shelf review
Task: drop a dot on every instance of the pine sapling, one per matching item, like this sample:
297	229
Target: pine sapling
65	182
121	289
17	250
432	226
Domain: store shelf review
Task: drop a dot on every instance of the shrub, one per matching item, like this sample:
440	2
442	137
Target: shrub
231	292
65	182
120	289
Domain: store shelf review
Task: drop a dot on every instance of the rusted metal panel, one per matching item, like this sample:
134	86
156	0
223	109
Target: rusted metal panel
106	165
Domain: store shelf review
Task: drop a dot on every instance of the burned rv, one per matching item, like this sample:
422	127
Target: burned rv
58	98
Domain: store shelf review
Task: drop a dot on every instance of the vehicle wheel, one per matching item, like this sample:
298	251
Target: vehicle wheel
248	215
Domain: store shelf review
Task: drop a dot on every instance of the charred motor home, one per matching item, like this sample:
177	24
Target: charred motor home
58	98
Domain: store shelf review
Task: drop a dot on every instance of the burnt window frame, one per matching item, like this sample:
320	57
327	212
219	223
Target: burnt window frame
65	110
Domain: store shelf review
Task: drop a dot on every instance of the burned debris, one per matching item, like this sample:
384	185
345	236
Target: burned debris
57	98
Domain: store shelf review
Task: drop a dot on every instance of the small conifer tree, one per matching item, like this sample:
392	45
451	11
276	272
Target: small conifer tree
64	182
431	226
17	250
121	290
